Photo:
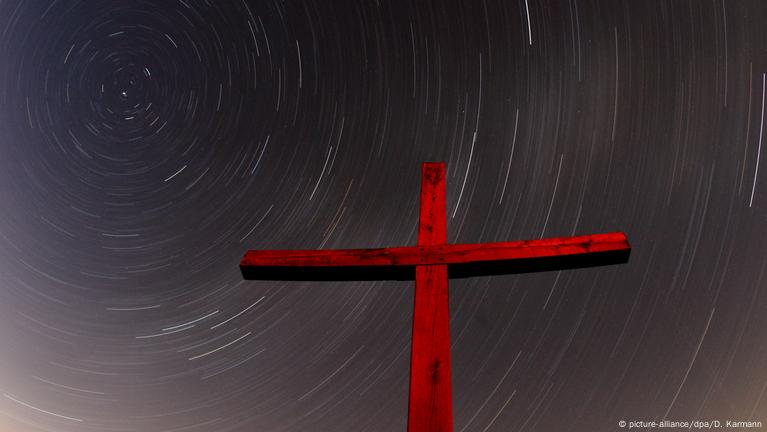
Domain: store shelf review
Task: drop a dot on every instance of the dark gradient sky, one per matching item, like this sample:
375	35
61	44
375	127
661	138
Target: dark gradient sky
145	145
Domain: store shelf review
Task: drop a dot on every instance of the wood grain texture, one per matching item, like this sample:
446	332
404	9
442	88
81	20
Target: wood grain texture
430	404
438	253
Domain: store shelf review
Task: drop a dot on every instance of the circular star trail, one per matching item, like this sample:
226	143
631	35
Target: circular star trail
146	145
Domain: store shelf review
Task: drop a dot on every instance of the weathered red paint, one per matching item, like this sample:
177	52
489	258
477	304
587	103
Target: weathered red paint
430	406
430	400
438	253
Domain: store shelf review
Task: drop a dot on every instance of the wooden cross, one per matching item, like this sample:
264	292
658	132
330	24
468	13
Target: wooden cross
431	262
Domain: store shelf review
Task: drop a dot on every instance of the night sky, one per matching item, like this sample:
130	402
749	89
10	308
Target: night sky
146	145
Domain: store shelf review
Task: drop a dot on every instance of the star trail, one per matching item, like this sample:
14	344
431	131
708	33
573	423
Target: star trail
146	145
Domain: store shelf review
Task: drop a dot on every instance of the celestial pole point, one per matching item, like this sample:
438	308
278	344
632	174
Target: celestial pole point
431	263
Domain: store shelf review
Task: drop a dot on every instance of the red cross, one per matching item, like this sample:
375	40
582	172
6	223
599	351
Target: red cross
430	401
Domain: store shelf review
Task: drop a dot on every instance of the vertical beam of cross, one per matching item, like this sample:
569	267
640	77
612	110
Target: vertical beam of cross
430	407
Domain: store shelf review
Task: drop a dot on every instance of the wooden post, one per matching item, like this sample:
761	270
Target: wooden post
430	406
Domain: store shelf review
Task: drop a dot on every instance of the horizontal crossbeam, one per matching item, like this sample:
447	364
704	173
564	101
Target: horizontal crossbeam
463	260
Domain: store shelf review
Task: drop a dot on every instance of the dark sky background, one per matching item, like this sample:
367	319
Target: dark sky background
146	145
